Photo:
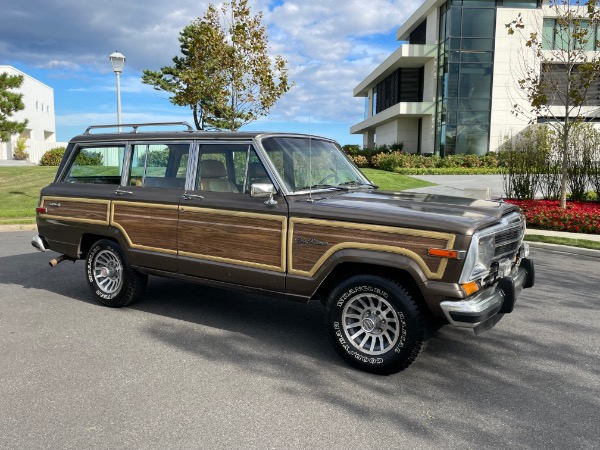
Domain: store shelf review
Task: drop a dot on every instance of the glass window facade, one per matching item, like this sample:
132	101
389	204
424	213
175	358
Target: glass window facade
466	53
557	37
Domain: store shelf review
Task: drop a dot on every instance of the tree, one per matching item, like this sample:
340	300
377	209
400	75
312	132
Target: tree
10	102
225	74
561	71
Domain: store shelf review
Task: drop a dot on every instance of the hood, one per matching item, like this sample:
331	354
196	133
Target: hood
459	215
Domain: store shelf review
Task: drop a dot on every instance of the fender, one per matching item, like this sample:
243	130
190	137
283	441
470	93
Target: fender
306	286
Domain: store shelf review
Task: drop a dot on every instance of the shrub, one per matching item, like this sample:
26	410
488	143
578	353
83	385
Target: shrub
389	161
20	152
369	153
87	158
523	158
156	158
52	157
360	160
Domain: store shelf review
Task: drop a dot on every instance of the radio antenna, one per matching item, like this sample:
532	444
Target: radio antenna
310	174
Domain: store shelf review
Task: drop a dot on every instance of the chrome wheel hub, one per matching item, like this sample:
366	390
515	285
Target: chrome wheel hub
371	323
108	272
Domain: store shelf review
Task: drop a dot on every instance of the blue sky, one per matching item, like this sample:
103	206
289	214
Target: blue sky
330	47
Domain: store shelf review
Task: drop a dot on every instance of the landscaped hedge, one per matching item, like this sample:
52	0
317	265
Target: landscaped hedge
85	158
413	163
448	171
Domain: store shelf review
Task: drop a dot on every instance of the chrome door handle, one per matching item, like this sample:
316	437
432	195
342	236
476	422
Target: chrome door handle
192	197
120	192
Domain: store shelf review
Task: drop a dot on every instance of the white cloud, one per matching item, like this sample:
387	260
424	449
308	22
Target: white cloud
330	46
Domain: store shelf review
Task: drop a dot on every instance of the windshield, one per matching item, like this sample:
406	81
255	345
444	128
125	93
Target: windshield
305	163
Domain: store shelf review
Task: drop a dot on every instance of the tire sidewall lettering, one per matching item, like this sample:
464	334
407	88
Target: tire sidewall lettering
358	289
90	262
341	338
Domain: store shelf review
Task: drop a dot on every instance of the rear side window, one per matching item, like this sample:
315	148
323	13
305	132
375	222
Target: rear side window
159	165
101	164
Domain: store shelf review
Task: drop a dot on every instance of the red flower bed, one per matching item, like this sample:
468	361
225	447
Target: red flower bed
579	217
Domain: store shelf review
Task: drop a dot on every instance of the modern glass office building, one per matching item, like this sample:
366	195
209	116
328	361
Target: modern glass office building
449	87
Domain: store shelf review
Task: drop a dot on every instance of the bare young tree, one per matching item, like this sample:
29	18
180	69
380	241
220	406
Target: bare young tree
561	71
225	73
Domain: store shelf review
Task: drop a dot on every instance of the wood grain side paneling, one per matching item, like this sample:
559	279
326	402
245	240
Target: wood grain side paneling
313	241
147	226
248	239
83	210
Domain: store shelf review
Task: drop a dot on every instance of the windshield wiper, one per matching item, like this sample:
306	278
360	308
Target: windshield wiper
359	184
323	186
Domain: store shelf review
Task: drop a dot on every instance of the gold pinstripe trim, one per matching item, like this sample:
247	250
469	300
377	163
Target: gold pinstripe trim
272	217
140	205
80	200
364	246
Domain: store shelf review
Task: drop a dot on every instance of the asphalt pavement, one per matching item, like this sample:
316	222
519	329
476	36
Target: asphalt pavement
192	367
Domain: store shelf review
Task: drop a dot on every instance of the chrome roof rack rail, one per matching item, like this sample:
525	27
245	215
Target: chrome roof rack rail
135	126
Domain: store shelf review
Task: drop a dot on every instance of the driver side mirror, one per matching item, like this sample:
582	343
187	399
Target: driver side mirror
262	190
259	190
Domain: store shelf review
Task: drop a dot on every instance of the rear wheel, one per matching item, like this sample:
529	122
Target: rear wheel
110	277
375	324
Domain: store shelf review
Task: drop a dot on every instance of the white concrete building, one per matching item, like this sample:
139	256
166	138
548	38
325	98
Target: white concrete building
451	85
40	133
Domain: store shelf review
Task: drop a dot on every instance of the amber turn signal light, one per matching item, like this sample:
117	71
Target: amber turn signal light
470	288
446	253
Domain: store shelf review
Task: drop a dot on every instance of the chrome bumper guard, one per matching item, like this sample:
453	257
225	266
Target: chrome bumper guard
38	243
484	305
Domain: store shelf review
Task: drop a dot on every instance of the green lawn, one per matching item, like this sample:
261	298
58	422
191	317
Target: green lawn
389	181
563	241
20	191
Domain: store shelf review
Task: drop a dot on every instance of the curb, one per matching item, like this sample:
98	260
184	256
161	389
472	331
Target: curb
19	227
566	249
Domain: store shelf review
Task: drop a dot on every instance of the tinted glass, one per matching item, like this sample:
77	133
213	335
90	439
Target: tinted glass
97	165
478	22
159	165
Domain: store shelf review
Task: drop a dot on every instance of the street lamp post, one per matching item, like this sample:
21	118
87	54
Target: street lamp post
118	61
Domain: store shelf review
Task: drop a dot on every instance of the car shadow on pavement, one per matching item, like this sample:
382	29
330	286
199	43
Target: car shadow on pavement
510	385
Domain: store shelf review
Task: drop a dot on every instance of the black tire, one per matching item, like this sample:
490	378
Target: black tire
111	278
375	324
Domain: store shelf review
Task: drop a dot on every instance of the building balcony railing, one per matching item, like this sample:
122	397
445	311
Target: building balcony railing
407	55
403	110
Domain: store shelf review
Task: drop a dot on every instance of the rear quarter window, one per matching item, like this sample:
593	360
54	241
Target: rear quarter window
96	164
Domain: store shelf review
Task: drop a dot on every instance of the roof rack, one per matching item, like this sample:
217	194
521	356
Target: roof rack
135	126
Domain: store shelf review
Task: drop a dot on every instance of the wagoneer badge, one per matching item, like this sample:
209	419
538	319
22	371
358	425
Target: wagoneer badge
303	241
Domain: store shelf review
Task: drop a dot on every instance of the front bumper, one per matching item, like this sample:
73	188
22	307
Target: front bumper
486	304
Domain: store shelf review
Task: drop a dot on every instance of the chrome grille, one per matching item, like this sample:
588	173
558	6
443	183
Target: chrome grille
508	240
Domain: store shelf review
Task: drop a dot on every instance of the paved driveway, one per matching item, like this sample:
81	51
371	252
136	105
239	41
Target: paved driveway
457	184
190	367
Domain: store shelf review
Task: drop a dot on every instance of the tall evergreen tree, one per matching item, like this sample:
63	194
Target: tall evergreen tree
10	102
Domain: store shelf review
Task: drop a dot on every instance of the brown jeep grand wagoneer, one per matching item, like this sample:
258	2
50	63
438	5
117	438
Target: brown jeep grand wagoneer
289	215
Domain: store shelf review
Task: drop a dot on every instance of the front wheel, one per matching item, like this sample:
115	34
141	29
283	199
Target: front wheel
110	277
375	324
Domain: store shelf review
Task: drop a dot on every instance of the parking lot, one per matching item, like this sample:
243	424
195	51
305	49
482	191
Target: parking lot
192	367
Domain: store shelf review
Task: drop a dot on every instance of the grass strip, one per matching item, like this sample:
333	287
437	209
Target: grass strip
581	243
